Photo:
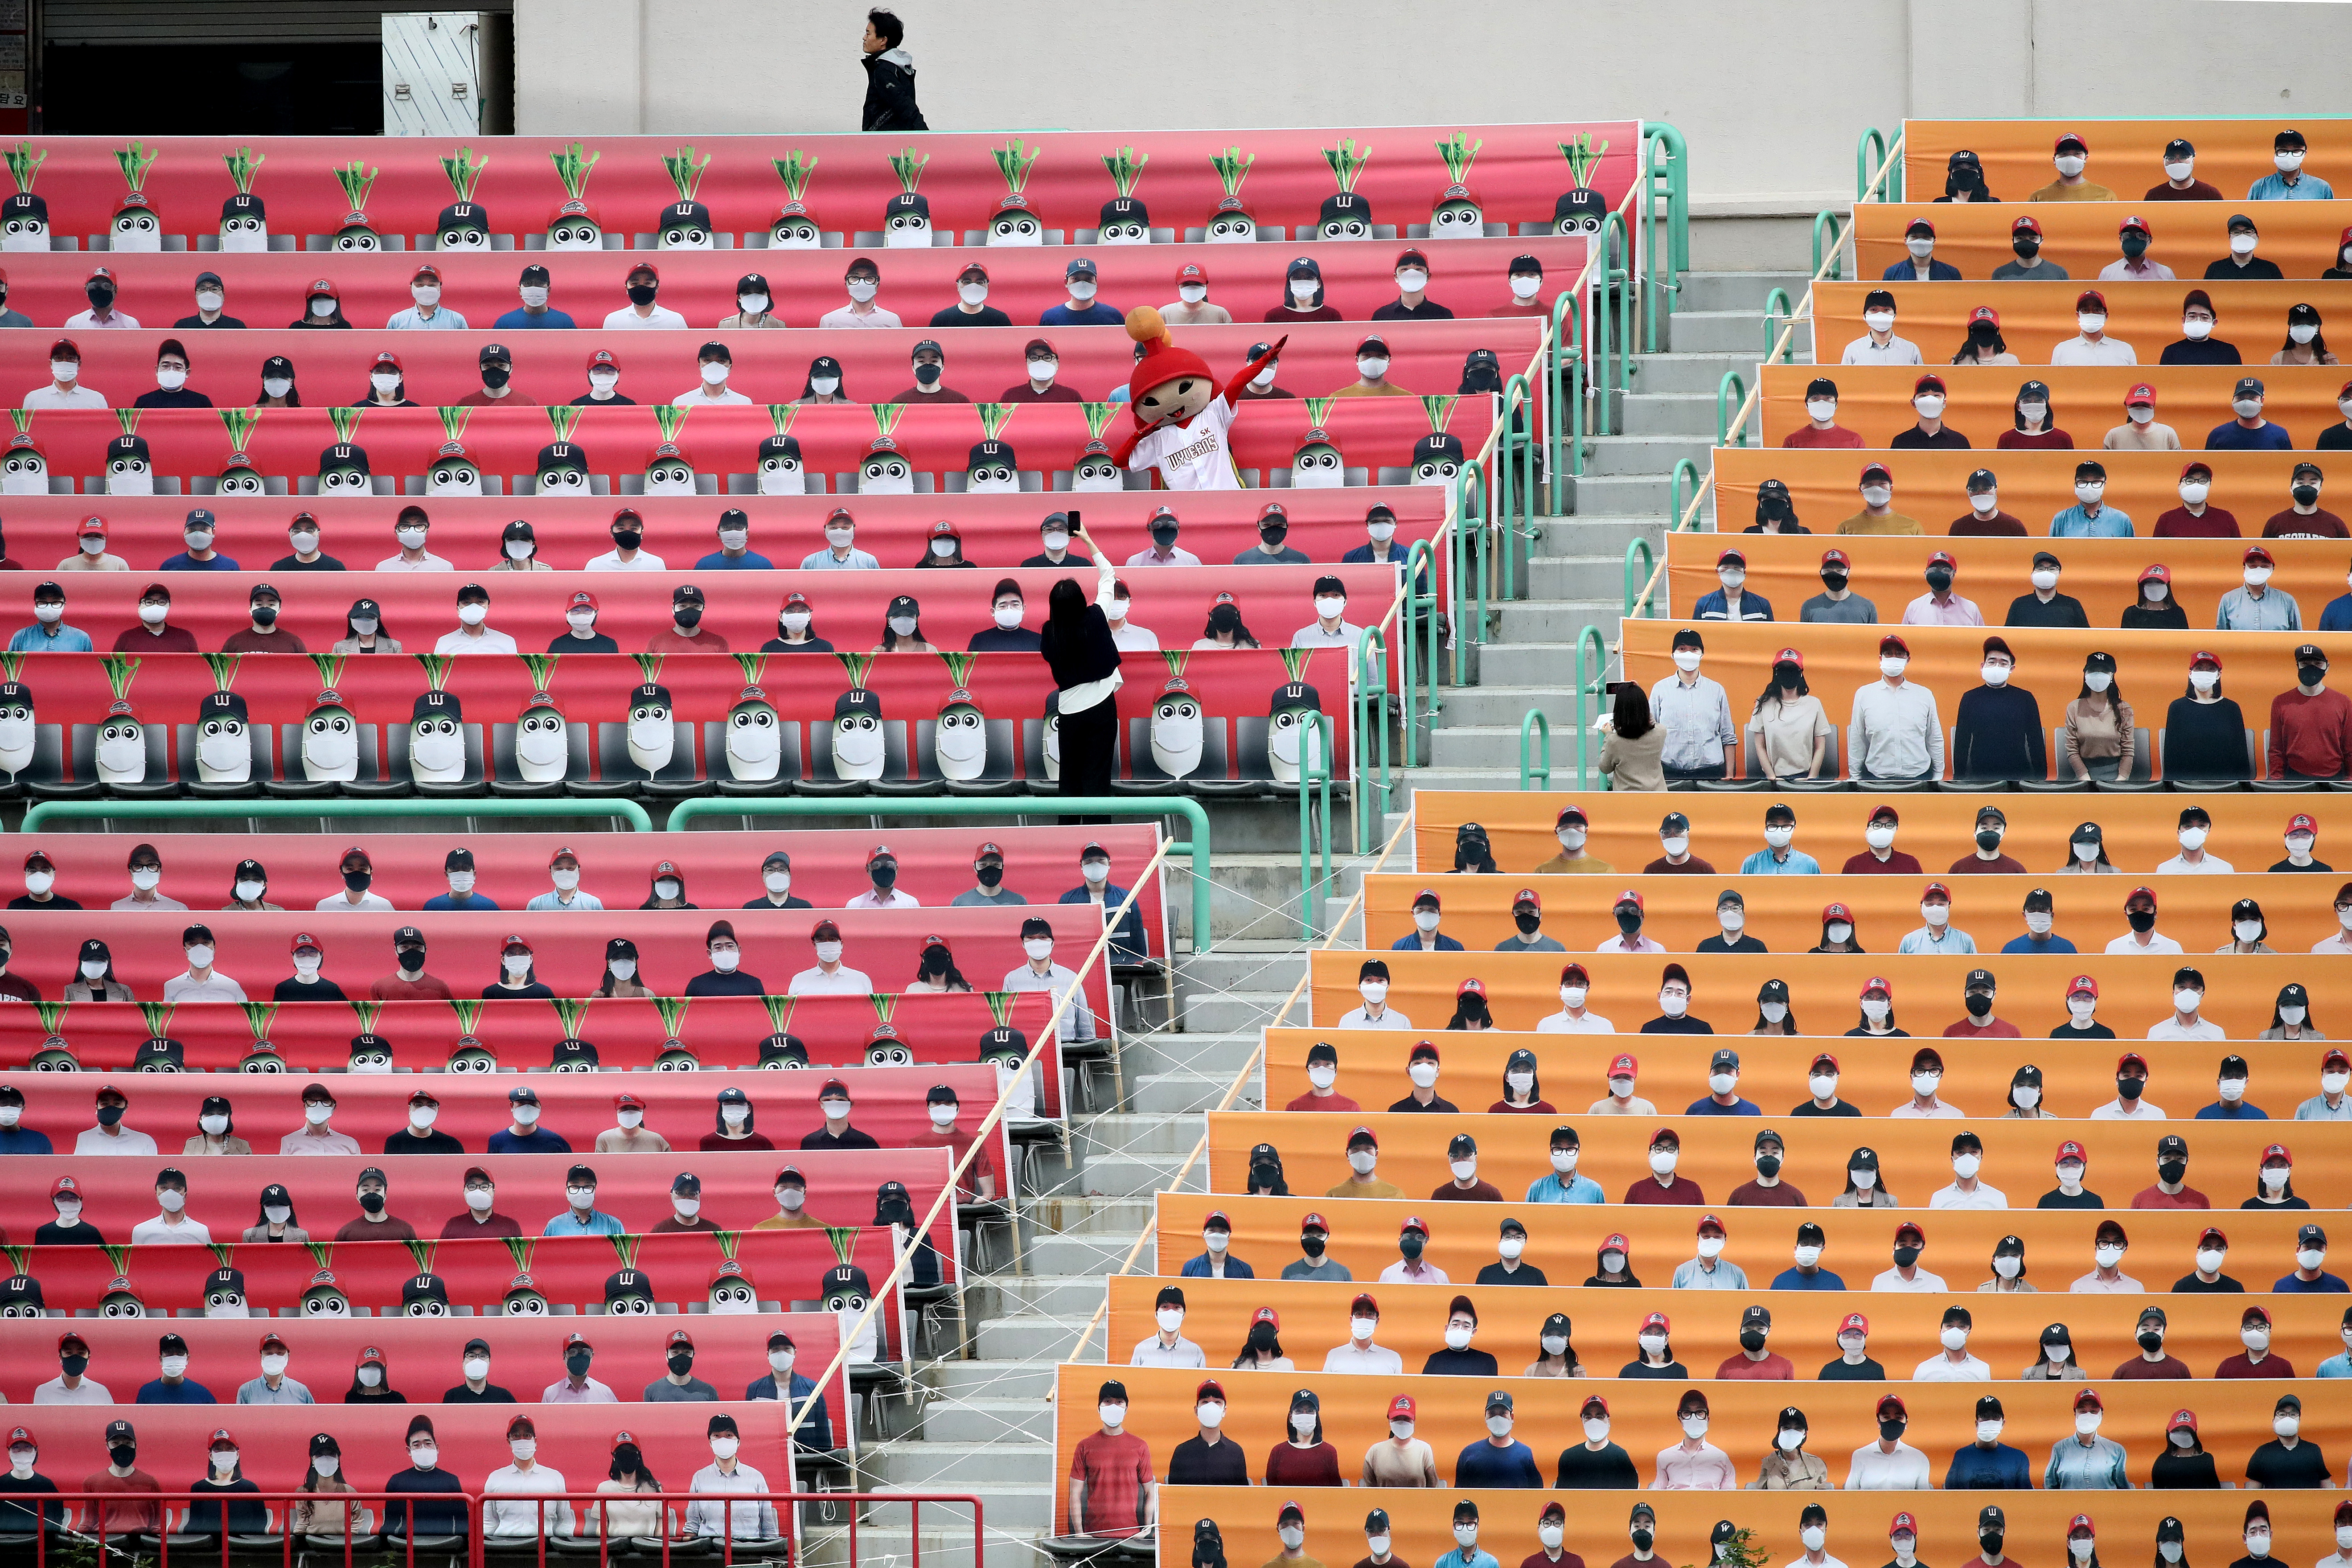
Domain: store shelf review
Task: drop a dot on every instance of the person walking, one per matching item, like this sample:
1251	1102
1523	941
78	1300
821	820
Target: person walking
889	77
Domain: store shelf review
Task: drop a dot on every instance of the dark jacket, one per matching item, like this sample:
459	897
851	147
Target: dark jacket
890	92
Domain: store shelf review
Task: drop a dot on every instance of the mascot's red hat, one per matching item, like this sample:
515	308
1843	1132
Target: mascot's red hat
1162	361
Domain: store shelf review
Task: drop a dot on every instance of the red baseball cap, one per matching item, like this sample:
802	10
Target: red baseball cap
1985	315
1855	1323
2134	221
1658	1320
1790	655
1402	1409
2028	224
1626	1065
2302	822
1836	558
2071	1150
2083	985
2143	393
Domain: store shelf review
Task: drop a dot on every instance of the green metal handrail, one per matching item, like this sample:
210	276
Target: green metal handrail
1869	153
1541	772
1515	464
1591	645
1195	849
1677	503
1314	782
1837	239
1469	585
1724	436
1370	701
1779	307
1420	610
1633	580
215	813
1614	354
1663	280
1565	377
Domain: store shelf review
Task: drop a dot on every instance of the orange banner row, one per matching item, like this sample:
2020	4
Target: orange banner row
2034	486
1787	913
1572	1071
1874	401
1523	989
2037	316
2125	157
1565	1240
1702	1327
1742	1419
1597	1524
1717	1155
2140	831
2152	667
1996	576
2301	238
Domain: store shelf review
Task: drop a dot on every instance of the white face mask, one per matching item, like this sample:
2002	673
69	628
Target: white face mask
273	1366
1564	1160
1694	1428
1673	1004
1686	659
724	1447
1892	668
1457	1337
1371	369
1331	608
1373	992
1193	293
2288	163
1879	321
2255	1339
1524	287
2070	164
1678	844
1929	404
2247	407
1710	1247
2089	494
2086	1422
1921	248
972	293
1038	949
1112	1415
1423	1073
1937	914
580	1198
318	1112
1663	1160
1322	1075
1412	280
1292	1537
1361	1160
1425	920
1876	1009
2257	575
1814	1536
1169	1319
1304	288
1925	1084
1623	1087
1361	1331
1821	410
2092	322
1863	1181
1780	837
1984	503
862	290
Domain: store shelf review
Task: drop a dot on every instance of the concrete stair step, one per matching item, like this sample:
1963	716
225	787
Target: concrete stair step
1703	293
1010	1295
989	1420
1031	1336
1114	1215
1560	620
1139	1175
1725	332
1673	413
999	1379
1188	1051
1176	1093
1140	1134
1501	707
1257	963
1701	371
1611	510
1524	664
1252	1009
1580	579
999	1547
1648	455
1098	1254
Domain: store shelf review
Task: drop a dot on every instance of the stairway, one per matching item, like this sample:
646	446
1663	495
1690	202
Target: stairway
985	1426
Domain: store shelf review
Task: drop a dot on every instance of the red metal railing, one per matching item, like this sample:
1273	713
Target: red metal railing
78	1522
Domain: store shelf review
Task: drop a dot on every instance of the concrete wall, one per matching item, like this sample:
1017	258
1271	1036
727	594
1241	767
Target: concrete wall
1770	97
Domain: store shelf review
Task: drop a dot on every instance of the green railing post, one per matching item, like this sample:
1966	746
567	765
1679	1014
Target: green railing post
1195	850
1617	241
1726	411
1540	772
1469	585
1594	647
1635	579
1677	174
1663	274
1313	779
1779	307
1868	154
1371	698
1420	608
1675	502
215	813
1566	377
1516	489
1837	239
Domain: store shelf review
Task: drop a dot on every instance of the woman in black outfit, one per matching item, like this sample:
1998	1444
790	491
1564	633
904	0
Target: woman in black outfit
1078	650
2204	731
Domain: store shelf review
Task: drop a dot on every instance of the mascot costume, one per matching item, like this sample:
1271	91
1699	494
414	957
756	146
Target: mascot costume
1182	420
